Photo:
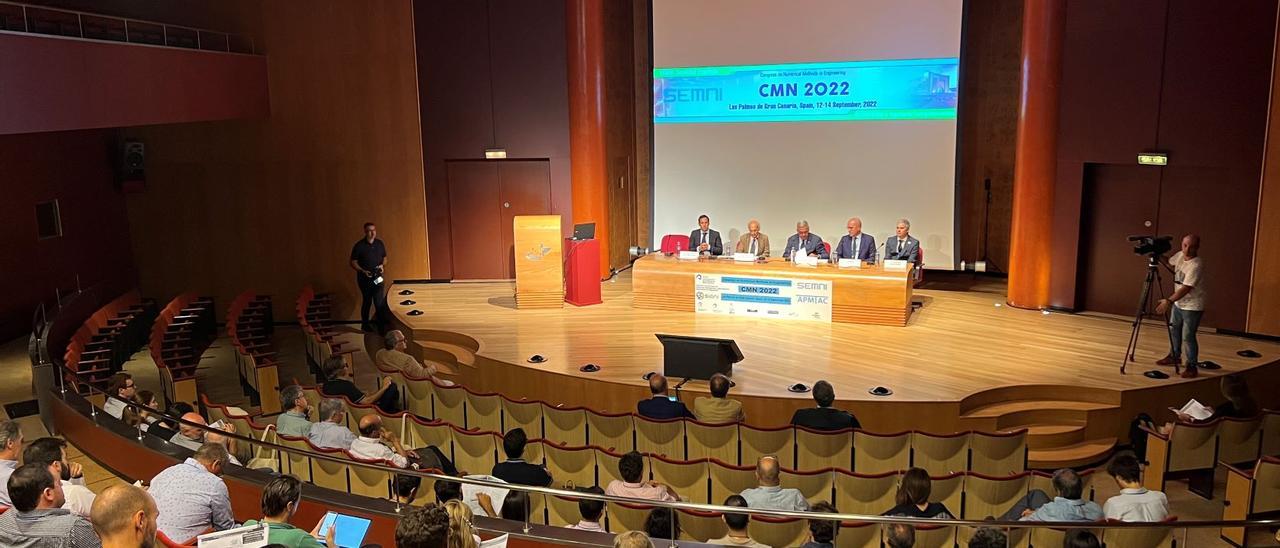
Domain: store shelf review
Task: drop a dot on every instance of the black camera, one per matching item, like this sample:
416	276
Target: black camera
1151	245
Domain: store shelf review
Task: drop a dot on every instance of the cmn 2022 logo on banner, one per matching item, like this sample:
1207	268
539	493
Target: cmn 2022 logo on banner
763	297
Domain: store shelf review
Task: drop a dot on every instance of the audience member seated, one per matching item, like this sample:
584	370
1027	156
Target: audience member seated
190	436
1135	502
447	490
378	443
737	524
592	512
770	495
1066	506
52	454
515	469
822	532
899	535
120	389
193	495
37	519
227	442
340	383
295	420
632	539
139	417
280	499
165	428
913	498
633	485
330	432
718	408
659	406
10	449
1239	405
406	488
662	523
393	356
515	506
1081	538
988	537
426	527
124	516
461	533
824	417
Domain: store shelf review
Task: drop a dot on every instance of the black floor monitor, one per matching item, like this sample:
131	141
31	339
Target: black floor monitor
697	357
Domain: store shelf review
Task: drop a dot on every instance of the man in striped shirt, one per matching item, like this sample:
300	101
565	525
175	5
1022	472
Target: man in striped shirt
37	519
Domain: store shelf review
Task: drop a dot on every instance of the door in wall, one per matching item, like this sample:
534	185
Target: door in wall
1119	201
484	198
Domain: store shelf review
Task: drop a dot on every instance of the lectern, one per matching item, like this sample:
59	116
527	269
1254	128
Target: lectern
582	272
697	357
539	272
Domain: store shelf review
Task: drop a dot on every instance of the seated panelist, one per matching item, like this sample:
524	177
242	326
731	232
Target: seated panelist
705	240
857	244
753	241
901	246
805	242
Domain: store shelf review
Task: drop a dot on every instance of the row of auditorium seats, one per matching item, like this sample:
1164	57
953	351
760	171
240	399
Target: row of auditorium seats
182	332
708	480
250	326
314	314
106	340
1195	449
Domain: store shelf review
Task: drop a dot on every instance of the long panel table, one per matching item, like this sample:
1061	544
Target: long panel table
869	295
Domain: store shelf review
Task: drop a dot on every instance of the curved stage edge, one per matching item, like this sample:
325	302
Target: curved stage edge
959	364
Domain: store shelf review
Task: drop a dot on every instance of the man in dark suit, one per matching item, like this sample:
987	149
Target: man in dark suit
515	469
901	246
805	243
824	417
857	244
659	406
705	240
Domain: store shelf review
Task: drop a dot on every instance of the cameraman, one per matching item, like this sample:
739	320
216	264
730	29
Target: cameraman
1188	304
368	258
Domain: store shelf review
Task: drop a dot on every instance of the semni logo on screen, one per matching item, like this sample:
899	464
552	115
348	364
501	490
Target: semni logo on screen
692	95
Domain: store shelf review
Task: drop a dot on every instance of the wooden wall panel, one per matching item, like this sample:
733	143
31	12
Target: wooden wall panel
275	204
1264	289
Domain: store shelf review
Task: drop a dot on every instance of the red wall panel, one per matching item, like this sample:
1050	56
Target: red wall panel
56	84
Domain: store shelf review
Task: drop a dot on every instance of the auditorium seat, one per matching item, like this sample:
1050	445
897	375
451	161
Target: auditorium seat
424	433
1270	432
1188	449
778	531
948	489
919	270
817	449
857	534
562	511
564	425
1052	536
475	452
759	442
729	479
702	526
522	414
688	478
998	453
1146	537
874	453
865	494
534	451
1239	440
660	437
607	466
939	536
626	517
420	398
451	403
1249	493
537	509
570	467
940	453
614	432
329	474
827	246
813	484
295	464
484	412
675	243
370	482
992	495
706	440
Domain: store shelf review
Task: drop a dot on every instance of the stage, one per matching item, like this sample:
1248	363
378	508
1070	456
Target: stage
963	361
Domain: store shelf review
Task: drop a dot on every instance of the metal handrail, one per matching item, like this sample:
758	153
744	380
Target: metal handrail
164	27
878	519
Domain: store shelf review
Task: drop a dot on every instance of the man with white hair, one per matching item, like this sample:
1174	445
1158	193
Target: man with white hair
857	244
903	247
331	432
804	242
393	356
753	241
10	450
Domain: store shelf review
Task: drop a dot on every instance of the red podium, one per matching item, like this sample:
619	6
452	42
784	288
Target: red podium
582	272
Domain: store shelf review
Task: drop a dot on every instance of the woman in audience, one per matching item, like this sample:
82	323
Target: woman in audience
662	523
147	398
461	533
913	498
632	539
1239	405
515	506
280	499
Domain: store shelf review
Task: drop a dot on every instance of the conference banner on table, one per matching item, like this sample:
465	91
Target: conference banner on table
898	89
763	297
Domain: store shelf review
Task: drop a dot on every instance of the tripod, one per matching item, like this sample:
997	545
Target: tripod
1144	299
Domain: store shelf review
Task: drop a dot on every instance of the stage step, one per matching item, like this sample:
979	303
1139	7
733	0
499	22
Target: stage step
448	353
1069	456
1049	436
996	410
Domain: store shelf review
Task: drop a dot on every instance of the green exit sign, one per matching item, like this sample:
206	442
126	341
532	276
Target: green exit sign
1153	159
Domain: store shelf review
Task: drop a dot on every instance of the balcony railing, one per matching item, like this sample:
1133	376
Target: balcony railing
15	17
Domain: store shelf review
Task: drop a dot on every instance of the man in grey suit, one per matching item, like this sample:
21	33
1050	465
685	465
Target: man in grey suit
903	247
705	240
805	242
857	244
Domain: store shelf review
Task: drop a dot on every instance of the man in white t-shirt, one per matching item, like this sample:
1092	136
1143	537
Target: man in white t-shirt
1188	304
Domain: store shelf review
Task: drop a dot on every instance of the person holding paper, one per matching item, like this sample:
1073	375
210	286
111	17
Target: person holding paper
805	242
753	241
1187	303
857	244
705	240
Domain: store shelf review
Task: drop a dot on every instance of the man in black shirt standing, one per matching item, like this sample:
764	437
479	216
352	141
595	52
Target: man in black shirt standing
368	258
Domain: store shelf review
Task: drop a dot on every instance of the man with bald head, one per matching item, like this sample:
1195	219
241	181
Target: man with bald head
1187	303
189	436
660	406
753	241
856	244
770	495
124	516
378	443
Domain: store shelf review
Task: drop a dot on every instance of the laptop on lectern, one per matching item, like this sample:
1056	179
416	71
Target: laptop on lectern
584	231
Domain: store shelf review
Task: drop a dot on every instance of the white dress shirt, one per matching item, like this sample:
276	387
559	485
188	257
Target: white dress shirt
79	498
373	448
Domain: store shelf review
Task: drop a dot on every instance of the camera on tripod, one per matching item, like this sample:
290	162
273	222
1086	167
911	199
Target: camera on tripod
1151	245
